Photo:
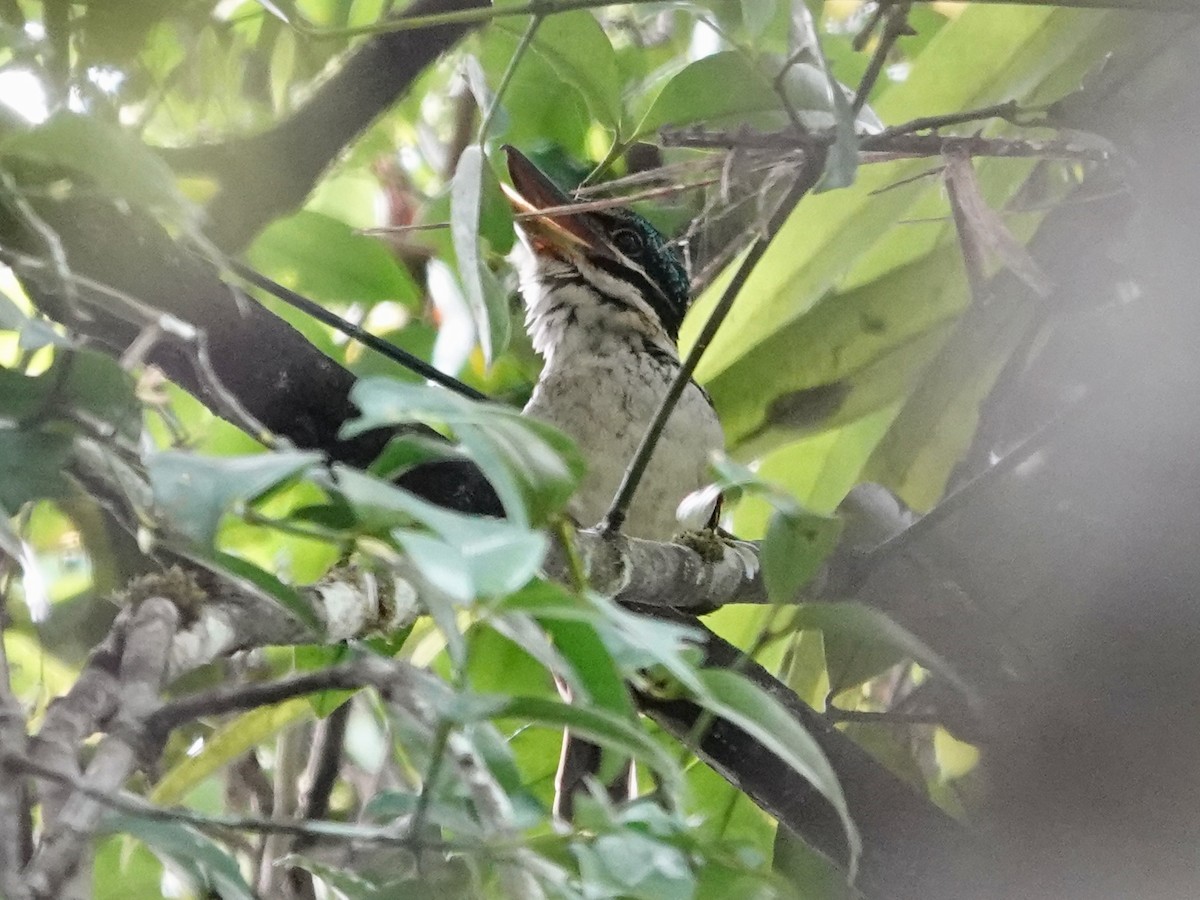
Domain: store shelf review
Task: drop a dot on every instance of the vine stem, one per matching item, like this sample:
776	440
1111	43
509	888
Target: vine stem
806	178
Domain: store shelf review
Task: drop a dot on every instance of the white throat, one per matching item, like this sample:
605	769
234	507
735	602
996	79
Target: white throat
566	316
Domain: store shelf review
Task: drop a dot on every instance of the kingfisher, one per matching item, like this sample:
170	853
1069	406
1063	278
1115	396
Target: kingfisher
605	295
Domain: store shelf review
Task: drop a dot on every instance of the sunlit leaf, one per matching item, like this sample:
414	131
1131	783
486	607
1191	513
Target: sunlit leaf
577	48
748	706
192	492
324	259
532	467
714	89
600	727
487	299
793	550
209	866
105	155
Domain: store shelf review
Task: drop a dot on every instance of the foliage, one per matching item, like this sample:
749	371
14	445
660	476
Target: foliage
820	375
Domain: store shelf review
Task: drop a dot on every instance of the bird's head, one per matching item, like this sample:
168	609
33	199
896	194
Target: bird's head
610	267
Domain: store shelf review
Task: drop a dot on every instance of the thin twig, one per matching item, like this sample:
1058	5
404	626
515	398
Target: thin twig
881	718
585	206
222	701
895	26
886	146
367	339
1009	111
509	71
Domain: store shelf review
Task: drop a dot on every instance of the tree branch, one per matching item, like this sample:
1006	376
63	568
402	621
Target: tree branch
270	174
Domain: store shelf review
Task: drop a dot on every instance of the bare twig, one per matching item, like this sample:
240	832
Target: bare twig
222	701
285	798
895	26
71	718
885	146
881	718
1009	111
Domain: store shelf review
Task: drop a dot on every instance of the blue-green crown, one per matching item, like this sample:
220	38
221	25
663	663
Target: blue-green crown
647	247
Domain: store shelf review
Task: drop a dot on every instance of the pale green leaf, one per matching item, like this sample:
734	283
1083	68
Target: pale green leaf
208	865
715	89
324	259
485	296
793	550
732	697
229	742
577	48
853	622
106	155
192	492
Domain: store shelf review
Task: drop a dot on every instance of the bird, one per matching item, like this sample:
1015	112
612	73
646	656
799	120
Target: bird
605	295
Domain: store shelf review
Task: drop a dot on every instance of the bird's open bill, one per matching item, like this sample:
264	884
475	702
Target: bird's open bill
532	192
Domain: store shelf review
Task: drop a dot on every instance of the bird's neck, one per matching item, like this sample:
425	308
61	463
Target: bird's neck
568	321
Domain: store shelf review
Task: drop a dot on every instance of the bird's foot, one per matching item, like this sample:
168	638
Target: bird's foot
706	542
712	545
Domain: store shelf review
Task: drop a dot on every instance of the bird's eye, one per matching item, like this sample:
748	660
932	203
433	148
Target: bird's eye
628	241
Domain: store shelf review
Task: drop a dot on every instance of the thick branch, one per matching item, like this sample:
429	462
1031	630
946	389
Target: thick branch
910	848
143	667
267	175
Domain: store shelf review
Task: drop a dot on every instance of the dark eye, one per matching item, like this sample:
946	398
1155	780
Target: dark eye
628	241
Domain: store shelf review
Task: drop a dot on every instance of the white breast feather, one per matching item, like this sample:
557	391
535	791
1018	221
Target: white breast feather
602	388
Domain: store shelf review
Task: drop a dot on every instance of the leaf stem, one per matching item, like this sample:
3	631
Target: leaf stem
509	71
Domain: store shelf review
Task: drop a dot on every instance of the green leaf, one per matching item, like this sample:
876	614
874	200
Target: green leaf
205	862
757	16
471	555
579	51
935	426
324	259
486	297
578	641
123	869
254	578
78	380
532	467
31	465
230	741
192	492
635	865
20	395
793	550
485	558
845	625
112	159
598	726
536	116
732	697
834	345
1012	52
723	88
